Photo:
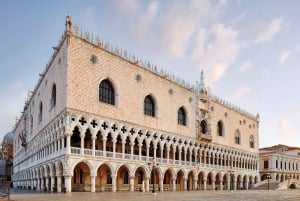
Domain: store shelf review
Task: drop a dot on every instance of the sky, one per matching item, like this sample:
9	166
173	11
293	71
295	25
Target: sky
249	50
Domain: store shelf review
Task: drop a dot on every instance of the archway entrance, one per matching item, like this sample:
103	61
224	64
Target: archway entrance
81	180
179	181
168	181
139	179
123	183
103	179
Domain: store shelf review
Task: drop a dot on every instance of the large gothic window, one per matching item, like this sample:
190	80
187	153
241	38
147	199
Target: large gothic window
106	92
220	128
53	96
149	107
203	127
41	112
181	117
237	137
251	141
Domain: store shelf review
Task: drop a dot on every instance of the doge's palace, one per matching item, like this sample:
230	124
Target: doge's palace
101	119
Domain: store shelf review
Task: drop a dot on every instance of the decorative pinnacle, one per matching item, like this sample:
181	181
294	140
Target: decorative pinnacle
68	23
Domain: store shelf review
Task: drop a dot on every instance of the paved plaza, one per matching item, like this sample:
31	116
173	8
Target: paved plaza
251	195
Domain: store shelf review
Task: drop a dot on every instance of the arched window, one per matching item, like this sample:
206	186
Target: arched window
149	107
53	96
181	117
220	128
41	112
203	127
106	92
237	137
251	141
31	123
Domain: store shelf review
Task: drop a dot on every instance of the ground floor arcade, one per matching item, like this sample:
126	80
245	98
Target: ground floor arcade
81	174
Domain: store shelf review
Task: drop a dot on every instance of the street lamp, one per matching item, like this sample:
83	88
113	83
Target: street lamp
152	167
268	177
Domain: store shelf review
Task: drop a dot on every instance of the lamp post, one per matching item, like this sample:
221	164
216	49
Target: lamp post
152	166
268	177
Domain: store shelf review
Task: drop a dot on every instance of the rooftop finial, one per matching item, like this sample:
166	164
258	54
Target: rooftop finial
68	23
202	78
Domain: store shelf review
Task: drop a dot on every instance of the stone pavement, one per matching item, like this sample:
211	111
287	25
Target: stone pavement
250	195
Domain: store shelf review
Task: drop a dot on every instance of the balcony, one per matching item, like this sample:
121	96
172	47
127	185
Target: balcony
204	137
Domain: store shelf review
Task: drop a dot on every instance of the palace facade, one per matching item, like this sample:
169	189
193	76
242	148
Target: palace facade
100	119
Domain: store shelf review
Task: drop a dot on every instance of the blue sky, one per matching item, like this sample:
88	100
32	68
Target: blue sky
249	50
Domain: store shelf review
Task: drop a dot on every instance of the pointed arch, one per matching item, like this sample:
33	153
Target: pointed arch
251	141
203	127
106	92
53	96
181	116
220	128
41	111
149	106
237	137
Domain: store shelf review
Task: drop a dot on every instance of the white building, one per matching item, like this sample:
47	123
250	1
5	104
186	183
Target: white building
98	117
281	162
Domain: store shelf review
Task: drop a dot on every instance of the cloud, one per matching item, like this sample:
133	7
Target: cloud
262	32
241	92
245	66
284	55
217	51
286	128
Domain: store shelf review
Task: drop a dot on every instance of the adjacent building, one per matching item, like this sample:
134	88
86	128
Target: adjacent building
281	162
100	119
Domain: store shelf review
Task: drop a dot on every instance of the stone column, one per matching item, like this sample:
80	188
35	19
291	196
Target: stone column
234	184
168	154
93	183
38	184
68	143
58	183
161	184
195	184
114	147
185	184
114	183
140	151
204	184
213	182
131	182
52	183
174	151
185	156
93	145
147	184
82	144
179	158
68	184
131	151
147	148
221	184
123	149
174	184
42	184
228	184
47	183
104	147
